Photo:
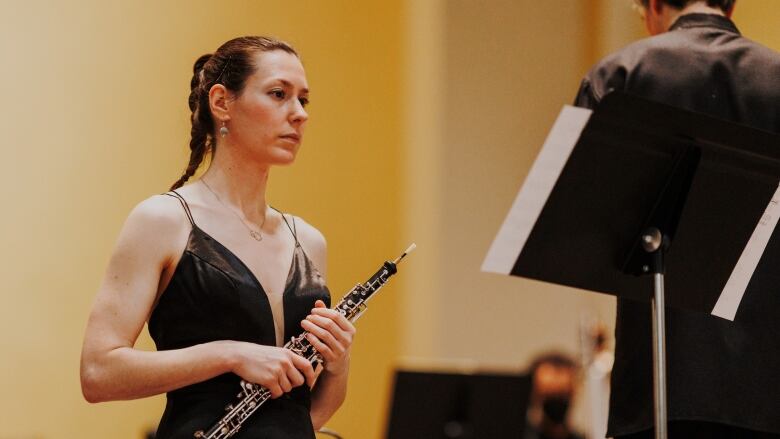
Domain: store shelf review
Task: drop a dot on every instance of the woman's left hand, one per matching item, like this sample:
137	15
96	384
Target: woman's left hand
332	335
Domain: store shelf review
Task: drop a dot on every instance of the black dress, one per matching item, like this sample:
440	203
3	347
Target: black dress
214	296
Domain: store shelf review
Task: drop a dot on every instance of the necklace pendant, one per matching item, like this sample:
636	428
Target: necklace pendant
257	236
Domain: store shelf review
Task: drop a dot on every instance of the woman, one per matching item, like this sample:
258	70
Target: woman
222	278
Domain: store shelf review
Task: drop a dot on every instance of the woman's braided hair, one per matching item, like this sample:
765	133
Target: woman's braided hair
230	66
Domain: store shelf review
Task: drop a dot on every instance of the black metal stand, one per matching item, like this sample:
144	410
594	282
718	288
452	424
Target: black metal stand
647	257
653	242
659	358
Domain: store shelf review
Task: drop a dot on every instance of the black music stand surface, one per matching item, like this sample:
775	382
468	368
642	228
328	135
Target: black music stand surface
435	405
633	164
637	187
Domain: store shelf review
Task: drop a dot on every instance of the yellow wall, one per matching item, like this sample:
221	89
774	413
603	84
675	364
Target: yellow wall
423	95
95	119
494	80
758	20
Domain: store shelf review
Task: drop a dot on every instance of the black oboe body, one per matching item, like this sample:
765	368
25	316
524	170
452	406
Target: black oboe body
252	396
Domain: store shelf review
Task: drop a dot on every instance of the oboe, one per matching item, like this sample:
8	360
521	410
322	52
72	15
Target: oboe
252	396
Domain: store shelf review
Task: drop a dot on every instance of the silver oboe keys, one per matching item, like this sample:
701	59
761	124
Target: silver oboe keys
252	396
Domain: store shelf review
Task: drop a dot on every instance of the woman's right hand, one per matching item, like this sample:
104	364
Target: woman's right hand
277	369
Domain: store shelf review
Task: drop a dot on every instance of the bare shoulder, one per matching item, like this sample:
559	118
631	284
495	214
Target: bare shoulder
313	243
308	235
158	213
156	226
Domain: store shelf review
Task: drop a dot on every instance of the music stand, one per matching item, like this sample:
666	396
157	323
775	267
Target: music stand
435	405
637	187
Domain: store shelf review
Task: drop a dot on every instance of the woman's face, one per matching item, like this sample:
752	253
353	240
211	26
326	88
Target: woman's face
268	119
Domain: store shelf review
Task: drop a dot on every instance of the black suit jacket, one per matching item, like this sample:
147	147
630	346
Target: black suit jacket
718	371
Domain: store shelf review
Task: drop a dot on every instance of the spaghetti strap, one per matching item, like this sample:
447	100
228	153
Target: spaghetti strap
183	203
292	229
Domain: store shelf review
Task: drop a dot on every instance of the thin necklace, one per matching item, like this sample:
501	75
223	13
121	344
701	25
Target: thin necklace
254	234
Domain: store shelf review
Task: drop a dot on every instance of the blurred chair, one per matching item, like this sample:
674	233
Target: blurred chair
457	405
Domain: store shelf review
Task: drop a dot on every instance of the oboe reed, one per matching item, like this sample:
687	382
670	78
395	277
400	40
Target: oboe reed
406	252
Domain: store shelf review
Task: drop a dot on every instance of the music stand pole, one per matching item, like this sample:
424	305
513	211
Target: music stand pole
659	354
654	243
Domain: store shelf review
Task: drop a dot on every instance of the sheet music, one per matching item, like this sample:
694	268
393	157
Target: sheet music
536	189
731	296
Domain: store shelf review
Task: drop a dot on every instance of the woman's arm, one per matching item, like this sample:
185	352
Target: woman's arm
331	334
111	368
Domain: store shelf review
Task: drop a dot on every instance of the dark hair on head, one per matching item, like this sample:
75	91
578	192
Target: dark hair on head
230	66
724	5
554	358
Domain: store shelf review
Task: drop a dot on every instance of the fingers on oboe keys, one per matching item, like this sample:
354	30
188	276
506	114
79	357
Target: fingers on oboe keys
304	369
331	334
277	369
293	371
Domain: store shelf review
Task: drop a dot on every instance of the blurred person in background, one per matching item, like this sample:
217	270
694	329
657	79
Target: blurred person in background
553	382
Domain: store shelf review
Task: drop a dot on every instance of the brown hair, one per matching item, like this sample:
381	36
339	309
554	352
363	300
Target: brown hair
230	66
724	5
553	358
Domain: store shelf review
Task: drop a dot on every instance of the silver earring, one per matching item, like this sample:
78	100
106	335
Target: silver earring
223	130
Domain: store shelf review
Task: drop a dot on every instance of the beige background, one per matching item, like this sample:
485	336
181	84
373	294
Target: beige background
426	116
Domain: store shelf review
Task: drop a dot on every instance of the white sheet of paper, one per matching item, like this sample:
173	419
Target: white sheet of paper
536	189
731	296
